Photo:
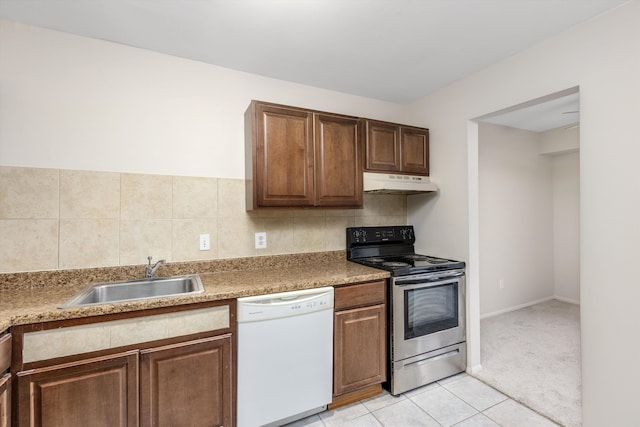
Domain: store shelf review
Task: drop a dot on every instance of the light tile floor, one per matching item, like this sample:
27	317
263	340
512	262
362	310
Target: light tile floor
460	400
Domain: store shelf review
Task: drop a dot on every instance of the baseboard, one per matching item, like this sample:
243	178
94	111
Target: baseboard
472	370
517	307
567	300
355	396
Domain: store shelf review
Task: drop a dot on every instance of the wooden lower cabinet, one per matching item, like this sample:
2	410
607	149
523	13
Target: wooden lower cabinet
359	342
101	391
359	346
5	400
187	384
183	377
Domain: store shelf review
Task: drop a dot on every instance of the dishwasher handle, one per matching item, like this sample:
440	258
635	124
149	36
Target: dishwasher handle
284	304
283	300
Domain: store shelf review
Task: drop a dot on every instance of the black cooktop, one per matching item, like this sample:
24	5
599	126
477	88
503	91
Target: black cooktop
392	248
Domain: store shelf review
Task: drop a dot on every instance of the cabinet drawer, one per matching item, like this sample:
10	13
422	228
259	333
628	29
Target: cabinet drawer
359	295
5	352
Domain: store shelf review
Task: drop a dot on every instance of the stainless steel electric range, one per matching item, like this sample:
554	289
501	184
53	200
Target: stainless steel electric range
426	317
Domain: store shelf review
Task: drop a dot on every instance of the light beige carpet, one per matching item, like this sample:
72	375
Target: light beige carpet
533	356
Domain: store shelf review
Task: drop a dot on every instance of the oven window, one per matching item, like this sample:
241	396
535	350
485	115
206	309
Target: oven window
430	309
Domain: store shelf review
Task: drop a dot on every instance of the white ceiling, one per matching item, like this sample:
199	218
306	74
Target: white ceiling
392	50
540	115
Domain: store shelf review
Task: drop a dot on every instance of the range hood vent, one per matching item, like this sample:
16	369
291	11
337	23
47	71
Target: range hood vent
391	183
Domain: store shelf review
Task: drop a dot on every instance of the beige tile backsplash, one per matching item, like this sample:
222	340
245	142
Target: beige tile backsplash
89	195
29	193
60	219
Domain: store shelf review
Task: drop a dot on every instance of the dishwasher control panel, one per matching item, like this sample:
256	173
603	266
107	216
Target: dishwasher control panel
284	304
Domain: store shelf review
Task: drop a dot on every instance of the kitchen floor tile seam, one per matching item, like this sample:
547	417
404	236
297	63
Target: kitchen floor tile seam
433	386
471	416
510	398
471	404
421	409
453	395
443	384
521	404
507	398
396	403
490	407
431	417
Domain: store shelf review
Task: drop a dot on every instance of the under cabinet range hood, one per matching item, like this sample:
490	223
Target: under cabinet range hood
392	183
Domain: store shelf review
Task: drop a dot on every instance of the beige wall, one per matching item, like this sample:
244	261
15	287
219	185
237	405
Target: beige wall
601	57
70	102
516	219
132	122
566	226
529	217
60	219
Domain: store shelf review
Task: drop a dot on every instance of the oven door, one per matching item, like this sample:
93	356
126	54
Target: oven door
428	312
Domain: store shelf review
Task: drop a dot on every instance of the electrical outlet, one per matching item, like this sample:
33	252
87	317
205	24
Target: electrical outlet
261	240
205	242
501	283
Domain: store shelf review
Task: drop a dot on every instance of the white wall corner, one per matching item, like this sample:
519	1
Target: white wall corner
473	370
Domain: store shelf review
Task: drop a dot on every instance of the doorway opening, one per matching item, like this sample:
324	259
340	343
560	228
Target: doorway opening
524	250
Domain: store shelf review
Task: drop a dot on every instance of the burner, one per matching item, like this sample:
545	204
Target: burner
433	260
395	264
429	259
416	257
392	248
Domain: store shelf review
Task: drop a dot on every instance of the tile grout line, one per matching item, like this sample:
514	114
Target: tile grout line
513	399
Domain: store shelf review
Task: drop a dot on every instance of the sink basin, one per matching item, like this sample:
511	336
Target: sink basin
134	290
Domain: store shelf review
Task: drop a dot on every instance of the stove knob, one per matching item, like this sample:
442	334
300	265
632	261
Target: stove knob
360	235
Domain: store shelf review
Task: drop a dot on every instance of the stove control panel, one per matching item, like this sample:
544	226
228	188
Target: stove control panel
358	235
400	234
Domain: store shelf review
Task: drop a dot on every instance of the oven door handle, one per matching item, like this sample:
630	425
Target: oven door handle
429	279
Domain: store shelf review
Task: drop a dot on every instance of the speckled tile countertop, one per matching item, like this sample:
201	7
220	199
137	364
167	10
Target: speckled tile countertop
34	297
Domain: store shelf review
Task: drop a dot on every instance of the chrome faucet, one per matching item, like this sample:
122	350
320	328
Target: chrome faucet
150	270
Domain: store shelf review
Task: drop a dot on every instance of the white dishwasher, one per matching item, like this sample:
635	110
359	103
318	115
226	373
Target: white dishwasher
285	356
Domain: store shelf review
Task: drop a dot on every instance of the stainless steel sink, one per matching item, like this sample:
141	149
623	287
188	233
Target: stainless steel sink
133	290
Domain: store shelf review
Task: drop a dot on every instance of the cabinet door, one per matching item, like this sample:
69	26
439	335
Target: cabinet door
98	392
360	350
284	156
415	150
5	400
382	147
338	164
187	384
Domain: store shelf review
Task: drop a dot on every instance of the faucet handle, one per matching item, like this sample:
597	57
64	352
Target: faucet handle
149	258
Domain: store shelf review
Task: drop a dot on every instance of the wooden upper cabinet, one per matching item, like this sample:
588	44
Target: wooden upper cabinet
415	150
301	158
283	156
396	148
382	147
338	165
